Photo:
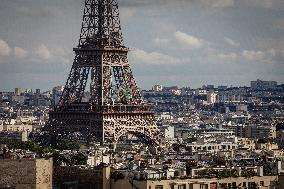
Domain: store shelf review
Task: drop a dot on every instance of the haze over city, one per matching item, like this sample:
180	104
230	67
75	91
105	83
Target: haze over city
181	42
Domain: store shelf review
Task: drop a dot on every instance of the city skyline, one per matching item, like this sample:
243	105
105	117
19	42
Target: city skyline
184	43
18	90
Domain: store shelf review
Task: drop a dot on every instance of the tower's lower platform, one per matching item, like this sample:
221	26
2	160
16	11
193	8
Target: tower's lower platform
106	124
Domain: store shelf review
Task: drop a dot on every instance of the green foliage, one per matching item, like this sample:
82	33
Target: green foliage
64	145
235	173
248	173
218	174
207	173
31	146
58	159
223	174
79	159
270	168
123	148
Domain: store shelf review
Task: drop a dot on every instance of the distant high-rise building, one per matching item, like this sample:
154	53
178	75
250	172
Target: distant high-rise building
18	91
259	84
56	94
211	98
37	91
157	88
25	136
29	91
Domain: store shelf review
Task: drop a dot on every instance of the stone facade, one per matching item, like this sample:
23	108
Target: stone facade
265	182
26	173
82	178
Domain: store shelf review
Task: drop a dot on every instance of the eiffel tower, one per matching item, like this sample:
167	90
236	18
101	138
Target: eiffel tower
116	108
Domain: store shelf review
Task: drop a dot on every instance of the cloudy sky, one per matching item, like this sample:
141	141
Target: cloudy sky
172	42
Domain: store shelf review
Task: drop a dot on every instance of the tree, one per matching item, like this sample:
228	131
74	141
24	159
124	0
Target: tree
78	159
58	158
248	173
64	145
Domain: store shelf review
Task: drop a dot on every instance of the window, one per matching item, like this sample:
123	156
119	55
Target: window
223	185
159	187
203	186
261	183
190	186
183	186
229	185
251	185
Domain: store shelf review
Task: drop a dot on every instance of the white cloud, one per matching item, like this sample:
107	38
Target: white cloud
253	56
232	42
19	52
188	40
228	57
218	3
4	48
43	52
156	58
268	56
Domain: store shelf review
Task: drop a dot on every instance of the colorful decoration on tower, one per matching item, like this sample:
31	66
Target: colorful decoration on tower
124	92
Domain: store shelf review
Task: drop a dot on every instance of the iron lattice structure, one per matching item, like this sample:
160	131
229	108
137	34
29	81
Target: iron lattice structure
116	107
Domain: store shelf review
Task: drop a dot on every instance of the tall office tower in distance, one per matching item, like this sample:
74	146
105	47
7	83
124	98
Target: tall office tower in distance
38	91
116	110
18	91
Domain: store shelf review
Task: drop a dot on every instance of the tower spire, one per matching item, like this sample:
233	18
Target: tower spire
101	25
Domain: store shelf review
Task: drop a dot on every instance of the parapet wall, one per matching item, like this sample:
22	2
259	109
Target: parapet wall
26	173
96	178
